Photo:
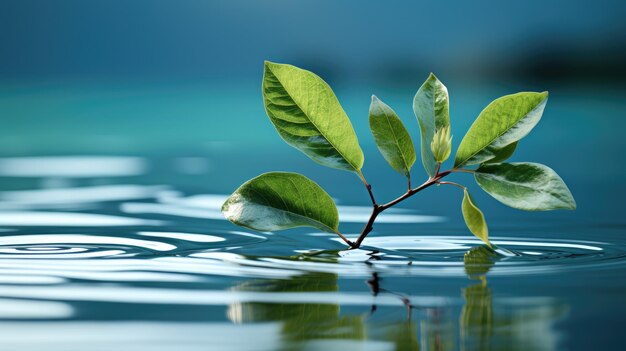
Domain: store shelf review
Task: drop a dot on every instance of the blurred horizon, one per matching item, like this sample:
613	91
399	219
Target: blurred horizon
184	77
345	42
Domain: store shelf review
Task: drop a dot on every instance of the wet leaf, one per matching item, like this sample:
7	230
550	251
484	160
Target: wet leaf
307	115
281	200
474	218
503	122
391	137
525	186
431	107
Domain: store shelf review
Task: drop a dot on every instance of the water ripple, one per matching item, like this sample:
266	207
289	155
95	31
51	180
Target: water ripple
68	219
208	206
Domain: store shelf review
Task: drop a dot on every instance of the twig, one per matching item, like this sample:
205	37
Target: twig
377	209
368	187
452	183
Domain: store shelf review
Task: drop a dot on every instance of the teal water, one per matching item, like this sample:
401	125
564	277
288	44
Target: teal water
111	235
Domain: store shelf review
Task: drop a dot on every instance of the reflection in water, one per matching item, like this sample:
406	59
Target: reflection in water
66	197
301	322
72	166
69	219
137	336
126	254
20	309
477	314
209	206
487	326
483	322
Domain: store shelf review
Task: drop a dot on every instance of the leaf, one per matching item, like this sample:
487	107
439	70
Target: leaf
307	115
503	122
391	137
281	200
525	186
474	218
431	107
478	261
304	321
477	316
503	154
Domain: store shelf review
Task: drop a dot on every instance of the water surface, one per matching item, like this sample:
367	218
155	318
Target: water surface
125	247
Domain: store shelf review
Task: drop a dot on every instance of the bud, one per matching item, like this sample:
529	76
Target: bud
441	145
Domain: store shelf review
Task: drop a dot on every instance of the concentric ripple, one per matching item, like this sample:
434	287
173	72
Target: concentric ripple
439	256
72	246
84	246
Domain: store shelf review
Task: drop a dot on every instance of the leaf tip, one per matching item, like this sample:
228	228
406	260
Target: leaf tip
374	98
572	206
224	207
269	64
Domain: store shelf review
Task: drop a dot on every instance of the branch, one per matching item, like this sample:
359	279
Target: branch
380	208
350	243
368	187
452	183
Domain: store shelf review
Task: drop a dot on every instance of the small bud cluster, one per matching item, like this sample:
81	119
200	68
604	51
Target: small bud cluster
441	145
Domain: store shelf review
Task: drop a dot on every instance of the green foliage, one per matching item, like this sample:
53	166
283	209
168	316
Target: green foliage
391	137
301	322
431	107
505	121
308	116
525	186
478	261
503	154
474	218
281	200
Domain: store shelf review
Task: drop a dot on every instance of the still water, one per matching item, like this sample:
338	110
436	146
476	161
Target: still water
127	249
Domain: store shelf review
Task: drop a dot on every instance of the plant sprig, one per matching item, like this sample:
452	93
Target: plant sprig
307	115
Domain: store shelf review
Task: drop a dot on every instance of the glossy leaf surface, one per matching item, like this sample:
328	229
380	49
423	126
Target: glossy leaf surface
525	186
391	137
431	107
281	200
503	122
307	115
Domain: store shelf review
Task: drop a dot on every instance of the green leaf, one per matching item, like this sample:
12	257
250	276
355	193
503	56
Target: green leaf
503	154
477	316
474	218
308	116
431	107
503	122
392	138
525	186
478	261
281	200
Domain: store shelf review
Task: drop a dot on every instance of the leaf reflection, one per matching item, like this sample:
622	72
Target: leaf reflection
301	322
485	320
